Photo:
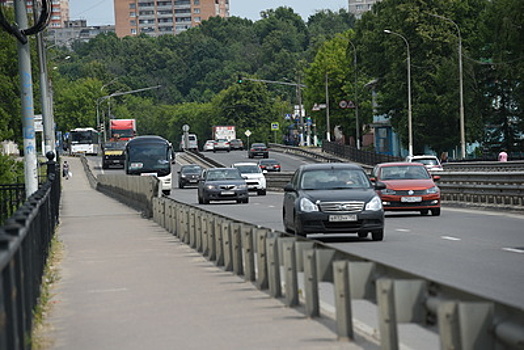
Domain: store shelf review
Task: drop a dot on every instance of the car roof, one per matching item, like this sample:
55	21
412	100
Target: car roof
422	157
323	166
400	164
245	163
268	160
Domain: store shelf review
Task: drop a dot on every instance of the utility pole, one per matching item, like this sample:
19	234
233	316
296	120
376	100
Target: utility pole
28	113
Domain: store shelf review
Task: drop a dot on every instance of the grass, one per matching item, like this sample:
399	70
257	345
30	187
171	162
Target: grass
40	339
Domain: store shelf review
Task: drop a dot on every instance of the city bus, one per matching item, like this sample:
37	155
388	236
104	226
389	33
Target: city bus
150	155
84	141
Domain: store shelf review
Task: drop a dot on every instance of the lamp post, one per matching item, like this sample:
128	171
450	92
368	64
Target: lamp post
328	126
410	126
357	127
461	87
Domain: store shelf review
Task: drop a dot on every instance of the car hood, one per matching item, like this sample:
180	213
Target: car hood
252	176
226	182
409	184
345	195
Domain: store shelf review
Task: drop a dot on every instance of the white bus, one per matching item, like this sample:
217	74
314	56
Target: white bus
84	141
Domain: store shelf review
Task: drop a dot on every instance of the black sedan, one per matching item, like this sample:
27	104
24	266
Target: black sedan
258	150
333	198
189	175
269	165
219	184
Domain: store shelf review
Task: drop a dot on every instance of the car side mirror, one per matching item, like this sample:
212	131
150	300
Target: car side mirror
380	186
289	187
264	171
435	177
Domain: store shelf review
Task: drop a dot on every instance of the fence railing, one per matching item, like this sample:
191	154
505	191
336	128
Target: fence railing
24	247
292	268
12	196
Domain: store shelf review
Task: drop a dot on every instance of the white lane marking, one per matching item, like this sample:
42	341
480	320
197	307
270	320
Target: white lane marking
450	238
403	230
513	250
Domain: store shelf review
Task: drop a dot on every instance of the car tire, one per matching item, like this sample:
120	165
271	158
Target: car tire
377	235
261	192
205	200
435	212
166	192
200	201
299	231
424	212
362	234
180	185
246	200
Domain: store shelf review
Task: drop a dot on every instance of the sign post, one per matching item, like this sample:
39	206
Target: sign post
247	133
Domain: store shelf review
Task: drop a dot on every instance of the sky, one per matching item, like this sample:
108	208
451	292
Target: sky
100	12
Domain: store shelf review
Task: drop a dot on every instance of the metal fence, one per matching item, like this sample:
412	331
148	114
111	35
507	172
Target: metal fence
12	196
24	247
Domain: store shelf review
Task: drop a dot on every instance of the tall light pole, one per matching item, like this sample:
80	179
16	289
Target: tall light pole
410	125
461	87
357	127
328	126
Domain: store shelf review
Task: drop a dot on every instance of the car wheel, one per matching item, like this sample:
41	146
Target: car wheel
166	192
362	234
435	212
377	235
205	200
261	192
200	201
180	185
424	212
299	231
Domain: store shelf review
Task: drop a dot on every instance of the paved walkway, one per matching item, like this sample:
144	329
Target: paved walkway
126	283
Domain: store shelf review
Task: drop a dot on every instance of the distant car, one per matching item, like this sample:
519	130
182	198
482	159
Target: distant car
409	187
113	154
432	163
222	145
220	184
209	146
189	175
333	198
269	165
236	144
255	179
258	150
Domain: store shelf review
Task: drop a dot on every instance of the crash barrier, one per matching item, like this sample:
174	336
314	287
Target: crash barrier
12	196
274	261
493	166
25	241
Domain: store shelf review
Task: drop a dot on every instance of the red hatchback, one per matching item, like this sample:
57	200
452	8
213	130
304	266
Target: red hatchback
409	187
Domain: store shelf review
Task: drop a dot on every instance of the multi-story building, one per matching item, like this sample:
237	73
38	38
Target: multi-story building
77	30
158	17
59	11
358	7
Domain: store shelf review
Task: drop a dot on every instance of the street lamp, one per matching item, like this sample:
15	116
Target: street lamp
357	128
410	127
461	88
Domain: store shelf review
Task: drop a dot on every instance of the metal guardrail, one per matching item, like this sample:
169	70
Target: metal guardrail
24	247
274	261
493	166
12	196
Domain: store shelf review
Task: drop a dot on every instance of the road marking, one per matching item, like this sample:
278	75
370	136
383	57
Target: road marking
514	250
450	238
403	230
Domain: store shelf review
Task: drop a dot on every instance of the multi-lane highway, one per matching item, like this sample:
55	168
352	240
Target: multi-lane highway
476	250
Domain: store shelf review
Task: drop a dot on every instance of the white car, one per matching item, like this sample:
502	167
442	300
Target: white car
431	163
252	173
209	146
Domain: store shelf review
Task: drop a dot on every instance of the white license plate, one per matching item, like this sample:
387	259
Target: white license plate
336	218
411	199
227	193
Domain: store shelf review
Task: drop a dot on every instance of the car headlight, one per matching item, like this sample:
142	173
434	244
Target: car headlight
307	206
210	187
432	190
242	187
388	191
374	204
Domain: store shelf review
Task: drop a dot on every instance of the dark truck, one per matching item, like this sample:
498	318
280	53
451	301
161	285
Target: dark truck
113	154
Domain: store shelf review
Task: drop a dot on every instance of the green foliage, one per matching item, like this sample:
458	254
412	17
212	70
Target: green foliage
11	170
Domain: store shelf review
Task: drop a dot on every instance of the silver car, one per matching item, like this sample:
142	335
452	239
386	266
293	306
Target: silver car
222	184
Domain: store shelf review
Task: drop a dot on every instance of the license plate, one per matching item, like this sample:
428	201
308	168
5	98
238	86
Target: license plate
337	218
411	199
227	193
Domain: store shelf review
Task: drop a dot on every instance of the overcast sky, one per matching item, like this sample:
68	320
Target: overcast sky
100	12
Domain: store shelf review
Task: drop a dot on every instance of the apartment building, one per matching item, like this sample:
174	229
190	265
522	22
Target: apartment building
59	11
158	17
358	7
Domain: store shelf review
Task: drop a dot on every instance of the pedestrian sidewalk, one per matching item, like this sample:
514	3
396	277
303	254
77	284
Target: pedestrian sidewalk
126	283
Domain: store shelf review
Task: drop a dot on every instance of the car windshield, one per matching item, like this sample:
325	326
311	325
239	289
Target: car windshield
268	162
404	172
258	145
329	179
248	169
192	169
223	174
426	161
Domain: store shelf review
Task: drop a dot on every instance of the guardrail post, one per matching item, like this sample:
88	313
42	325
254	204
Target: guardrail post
387	315
290	268
176	219
468	325
249	252
211	241
236	233
226	241
275	285
187	226
205	233
219	245
343	300
192	228
262	273
311	283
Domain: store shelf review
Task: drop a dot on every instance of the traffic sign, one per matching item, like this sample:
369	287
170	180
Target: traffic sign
274	126
346	104
247	133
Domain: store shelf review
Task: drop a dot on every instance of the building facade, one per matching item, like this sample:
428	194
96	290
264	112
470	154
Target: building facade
358	7
158	17
59	11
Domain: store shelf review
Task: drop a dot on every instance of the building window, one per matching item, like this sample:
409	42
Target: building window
197	10
132	5
197	19
196	2
132	14
133	31
132	22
